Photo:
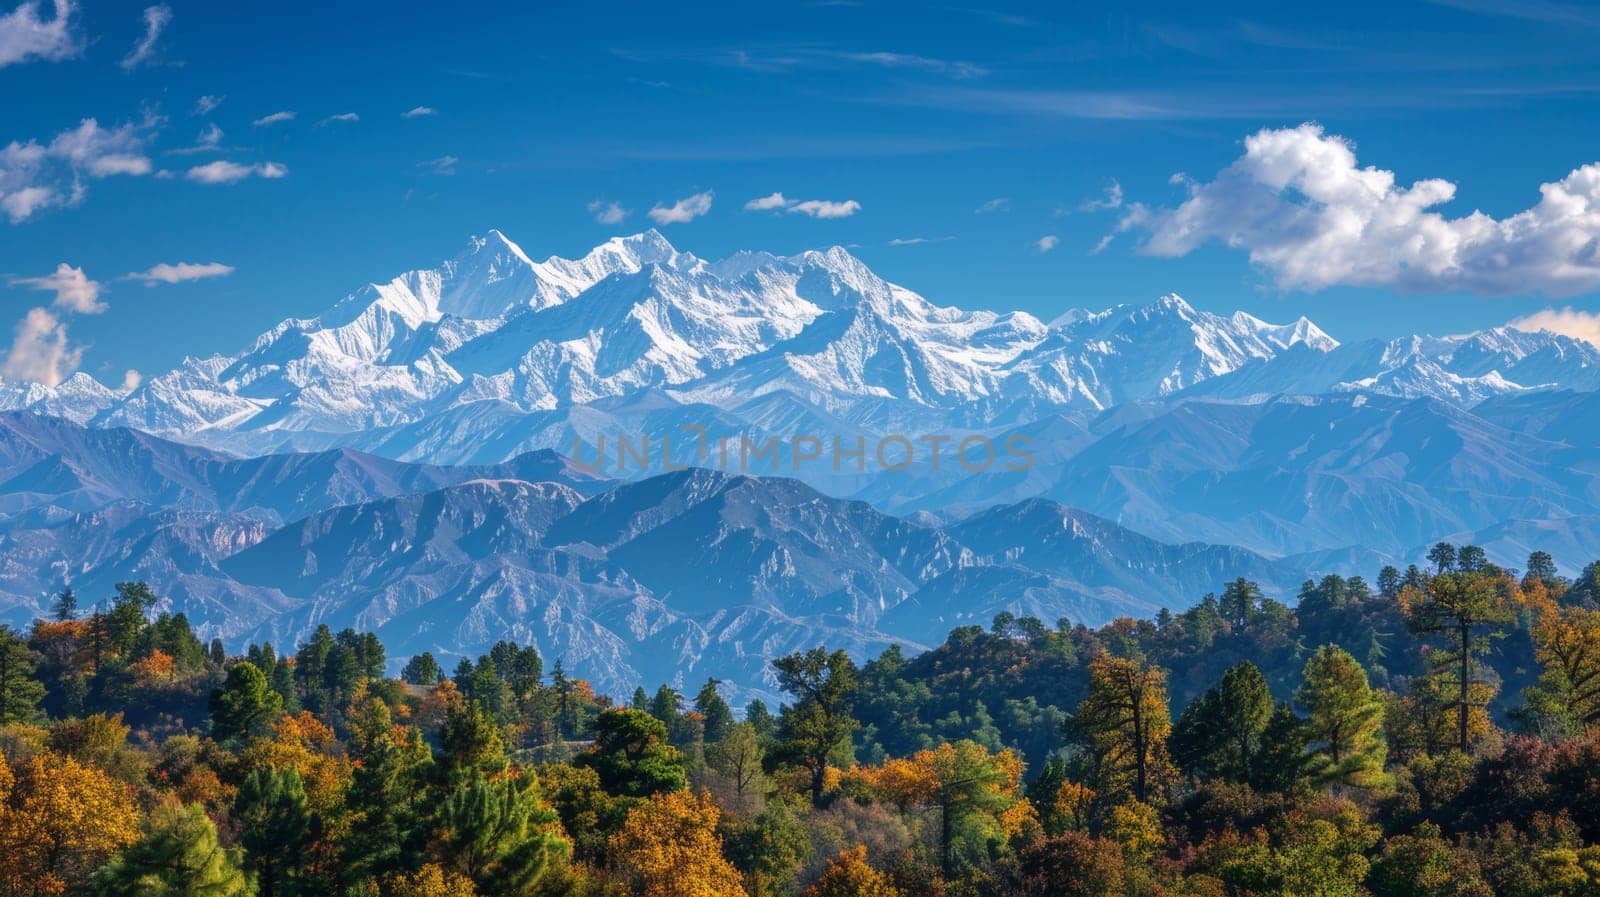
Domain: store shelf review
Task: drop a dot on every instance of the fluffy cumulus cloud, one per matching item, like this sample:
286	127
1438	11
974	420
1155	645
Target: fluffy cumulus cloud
36	176
267	121
419	112
607	212
27	36
73	289
181	272
1047	243
1309	214
684	210
816	208
156	19
1566	321
223	171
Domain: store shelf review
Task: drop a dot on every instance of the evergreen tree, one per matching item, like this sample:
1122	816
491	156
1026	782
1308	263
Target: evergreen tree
1345	718
632	756
499	833
1220	732
819	722
276	827
20	692
65	605
244	703
1465	610
179	856
422	669
718	715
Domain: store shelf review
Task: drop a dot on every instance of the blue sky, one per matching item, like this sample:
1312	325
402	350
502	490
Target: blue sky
998	137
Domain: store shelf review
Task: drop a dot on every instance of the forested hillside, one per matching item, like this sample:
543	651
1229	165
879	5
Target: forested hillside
1434	732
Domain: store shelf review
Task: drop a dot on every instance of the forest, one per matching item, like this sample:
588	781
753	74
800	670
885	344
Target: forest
1433	733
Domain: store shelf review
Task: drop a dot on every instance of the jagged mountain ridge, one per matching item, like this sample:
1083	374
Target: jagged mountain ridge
492	332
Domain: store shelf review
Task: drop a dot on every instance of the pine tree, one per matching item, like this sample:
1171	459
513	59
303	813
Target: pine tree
499	833
717	713
179	856
244	704
819	722
422	669
1465	610
1220	732
1345	718
65	606
271	807
1126	721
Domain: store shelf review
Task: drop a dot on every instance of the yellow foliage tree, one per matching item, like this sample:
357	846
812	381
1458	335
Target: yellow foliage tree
63	820
431	880
1073	804
669	847
1126	720
307	745
849	875
1567	646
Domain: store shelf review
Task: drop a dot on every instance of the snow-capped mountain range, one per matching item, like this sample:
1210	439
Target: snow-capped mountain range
492	354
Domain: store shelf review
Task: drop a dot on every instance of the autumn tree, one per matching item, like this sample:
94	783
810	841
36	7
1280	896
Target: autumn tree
850	875
1464	610
1345	719
178	856
1124	718
669	847
1070	864
966	786
1567	647
64	819
818	723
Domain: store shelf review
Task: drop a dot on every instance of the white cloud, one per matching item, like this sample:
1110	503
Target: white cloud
224	172
766	203
998	204
40	351
918	241
207	104
74	290
1298	203
823	208
274	118
816	208
341	117
25	37
1579	325
156	19
1047	243
419	112
445	165
209	140
684	210
1111	200
181	272
607	212
131	381
35	176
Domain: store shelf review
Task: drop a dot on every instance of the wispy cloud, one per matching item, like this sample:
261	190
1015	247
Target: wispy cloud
419	112
1112	199
73	289
607	212
918	241
209	140
955	68
275	118
998	204
341	117
1548	11
1580	325
35	176
816	208
182	272
1047	243
156	19
1305	210
223	171
208	104
684	210
26	37
444	165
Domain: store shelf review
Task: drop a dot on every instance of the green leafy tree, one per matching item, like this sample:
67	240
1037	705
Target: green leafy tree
819	722
20	692
631	755
1345	719
179	856
244	704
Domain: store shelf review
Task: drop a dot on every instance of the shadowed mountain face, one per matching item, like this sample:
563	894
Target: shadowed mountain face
685	575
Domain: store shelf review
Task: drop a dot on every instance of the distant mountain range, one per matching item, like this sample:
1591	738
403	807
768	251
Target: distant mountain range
416	460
